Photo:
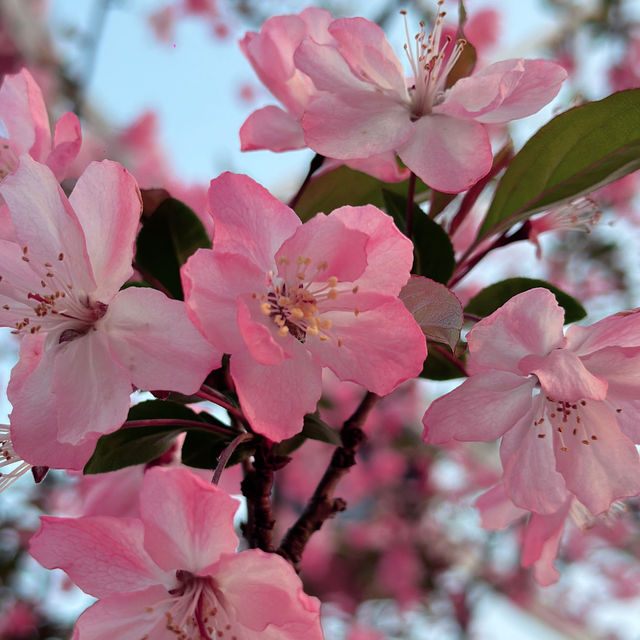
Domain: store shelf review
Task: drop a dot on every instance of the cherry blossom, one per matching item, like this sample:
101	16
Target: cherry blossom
564	406
270	53
174	571
25	122
286	299
85	343
364	105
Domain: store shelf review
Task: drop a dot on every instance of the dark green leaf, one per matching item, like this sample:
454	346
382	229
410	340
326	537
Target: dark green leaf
202	450
138	445
166	240
345	186
434	257
493	297
439	364
577	152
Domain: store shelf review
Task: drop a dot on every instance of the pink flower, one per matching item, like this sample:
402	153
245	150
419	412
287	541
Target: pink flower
566	407
271	53
364	105
174	571
24	118
85	342
286	299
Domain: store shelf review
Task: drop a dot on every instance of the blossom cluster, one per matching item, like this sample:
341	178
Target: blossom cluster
267	309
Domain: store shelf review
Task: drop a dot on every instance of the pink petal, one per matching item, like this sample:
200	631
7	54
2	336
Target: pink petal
563	376
188	522
606	469
67	141
139	615
101	554
357	124
448	154
530	477
496	509
212	282
332	249
271	128
383	166
364	47
619	330
514	331
280	610
156	343
481	409
437	310
23	112
34	426
90	387
389	251
541	541
258	334
46	224
276	398
378	349
506	90
107	202
248	220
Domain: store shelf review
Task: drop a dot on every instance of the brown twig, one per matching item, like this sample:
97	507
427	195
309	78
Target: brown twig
322	504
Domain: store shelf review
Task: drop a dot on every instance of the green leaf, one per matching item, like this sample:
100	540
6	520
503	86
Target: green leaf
345	186
202	450
434	256
493	297
316	429
167	238
577	152
439	364
138	445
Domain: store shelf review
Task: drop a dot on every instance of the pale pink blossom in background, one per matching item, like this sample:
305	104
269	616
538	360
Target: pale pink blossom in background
175	570
564	406
85	343
24	128
287	299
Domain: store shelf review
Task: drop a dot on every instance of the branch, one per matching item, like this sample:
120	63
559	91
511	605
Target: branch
322	504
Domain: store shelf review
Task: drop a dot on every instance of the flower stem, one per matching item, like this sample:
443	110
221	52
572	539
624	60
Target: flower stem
314	165
411	192
227	452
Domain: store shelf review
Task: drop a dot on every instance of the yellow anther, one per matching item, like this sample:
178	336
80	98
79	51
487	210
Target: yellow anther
300	276
283	301
322	265
333	281
279	320
265	307
332	295
323	338
313	330
297	313
355	289
283	260
339	342
356	312
325	324
283	331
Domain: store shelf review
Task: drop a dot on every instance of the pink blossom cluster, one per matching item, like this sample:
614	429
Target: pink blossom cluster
296	325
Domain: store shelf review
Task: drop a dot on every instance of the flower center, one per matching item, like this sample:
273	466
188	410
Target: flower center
197	613
296	307
12	465
54	305
429	63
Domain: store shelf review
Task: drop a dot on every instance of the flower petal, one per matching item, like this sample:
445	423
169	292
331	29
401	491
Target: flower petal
276	398
67	141
248	220
481	409
188	522
108	204
514	331
156	343
448	154
101	554
271	128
